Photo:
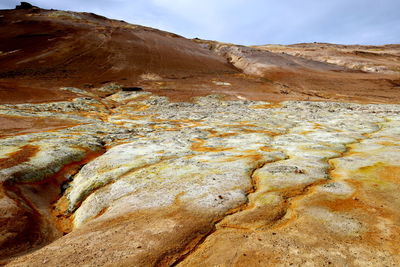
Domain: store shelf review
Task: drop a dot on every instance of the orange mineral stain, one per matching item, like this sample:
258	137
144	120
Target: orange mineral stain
267	106
199	147
24	154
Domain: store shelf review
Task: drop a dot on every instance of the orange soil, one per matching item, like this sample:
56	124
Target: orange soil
12	125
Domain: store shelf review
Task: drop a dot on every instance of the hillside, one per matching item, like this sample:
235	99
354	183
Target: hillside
42	50
46	49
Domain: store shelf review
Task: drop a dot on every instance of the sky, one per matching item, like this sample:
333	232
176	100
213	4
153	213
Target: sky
252	22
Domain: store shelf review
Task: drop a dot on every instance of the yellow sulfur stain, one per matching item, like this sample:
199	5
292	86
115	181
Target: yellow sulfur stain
199	147
267	106
379	173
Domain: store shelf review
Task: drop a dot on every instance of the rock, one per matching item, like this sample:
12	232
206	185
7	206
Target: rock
180	170
110	88
25	5
131	89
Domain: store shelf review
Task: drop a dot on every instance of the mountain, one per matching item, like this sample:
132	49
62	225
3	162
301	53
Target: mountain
46	49
42	50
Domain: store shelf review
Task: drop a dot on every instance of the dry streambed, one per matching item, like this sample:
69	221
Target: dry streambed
137	180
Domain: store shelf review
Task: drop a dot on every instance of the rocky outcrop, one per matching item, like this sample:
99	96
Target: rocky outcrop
345	220
25	5
183	182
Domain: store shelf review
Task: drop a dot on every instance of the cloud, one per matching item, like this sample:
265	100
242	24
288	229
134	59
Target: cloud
253	21
8	4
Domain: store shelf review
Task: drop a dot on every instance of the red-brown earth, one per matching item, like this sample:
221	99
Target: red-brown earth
42	50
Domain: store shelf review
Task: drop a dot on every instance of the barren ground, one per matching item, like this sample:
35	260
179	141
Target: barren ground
122	145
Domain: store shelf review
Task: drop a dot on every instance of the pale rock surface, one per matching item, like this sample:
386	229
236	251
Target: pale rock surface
218	182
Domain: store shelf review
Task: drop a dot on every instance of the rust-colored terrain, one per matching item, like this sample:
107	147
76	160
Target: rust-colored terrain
123	145
42	50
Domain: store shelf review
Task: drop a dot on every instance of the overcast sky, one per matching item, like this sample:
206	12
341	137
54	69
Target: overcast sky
252	22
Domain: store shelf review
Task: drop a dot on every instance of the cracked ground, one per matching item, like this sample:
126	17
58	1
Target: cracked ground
136	180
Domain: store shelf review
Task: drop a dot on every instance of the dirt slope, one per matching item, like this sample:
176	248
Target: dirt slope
369	58
41	50
299	77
